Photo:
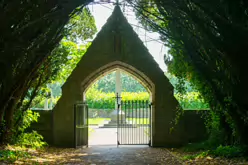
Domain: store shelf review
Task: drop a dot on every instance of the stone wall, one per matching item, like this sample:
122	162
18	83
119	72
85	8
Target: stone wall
44	126
193	125
117	46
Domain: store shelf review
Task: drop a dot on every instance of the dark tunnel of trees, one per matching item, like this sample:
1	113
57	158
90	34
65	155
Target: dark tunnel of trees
208	42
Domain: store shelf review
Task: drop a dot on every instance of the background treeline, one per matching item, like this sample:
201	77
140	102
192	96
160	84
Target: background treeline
101	100
101	95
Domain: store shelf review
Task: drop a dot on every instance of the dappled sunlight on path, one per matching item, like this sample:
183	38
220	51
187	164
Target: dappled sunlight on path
102	155
113	155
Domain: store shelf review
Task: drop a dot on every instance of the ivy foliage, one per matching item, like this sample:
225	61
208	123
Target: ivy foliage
207	42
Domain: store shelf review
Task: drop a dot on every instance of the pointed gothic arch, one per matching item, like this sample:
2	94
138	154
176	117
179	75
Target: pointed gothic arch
106	69
131	55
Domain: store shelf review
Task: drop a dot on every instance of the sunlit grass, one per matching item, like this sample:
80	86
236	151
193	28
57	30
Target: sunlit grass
139	120
95	121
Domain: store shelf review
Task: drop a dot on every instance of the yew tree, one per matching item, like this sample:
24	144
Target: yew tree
208	42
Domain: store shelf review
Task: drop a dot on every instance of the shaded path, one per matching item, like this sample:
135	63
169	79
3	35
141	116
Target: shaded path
103	150
130	155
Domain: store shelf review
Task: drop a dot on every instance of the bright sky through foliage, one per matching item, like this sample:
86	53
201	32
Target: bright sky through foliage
102	12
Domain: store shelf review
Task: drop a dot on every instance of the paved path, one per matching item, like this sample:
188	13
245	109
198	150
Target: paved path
103	151
108	136
103	136
131	155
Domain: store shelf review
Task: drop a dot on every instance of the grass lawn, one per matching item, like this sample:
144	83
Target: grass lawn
97	120
135	120
139	120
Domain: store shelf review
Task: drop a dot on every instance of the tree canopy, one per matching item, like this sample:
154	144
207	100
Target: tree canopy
207	41
31	51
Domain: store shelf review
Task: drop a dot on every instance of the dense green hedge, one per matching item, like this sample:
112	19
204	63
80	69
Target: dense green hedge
101	100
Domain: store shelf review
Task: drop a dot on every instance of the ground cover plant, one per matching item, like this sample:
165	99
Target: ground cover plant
202	154
19	146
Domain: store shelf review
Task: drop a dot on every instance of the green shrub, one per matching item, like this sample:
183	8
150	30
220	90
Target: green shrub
228	151
209	149
220	151
28	118
194	156
31	140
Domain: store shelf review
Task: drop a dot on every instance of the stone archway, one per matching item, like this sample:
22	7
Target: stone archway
145	82
104	70
104	137
118	46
